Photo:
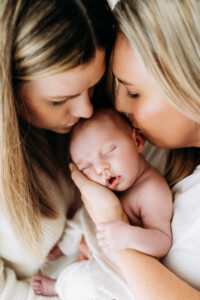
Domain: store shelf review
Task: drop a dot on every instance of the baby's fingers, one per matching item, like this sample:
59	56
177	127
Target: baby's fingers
103	243
100	235
102	226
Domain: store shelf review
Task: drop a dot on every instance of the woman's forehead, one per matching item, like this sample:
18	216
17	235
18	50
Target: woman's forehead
71	82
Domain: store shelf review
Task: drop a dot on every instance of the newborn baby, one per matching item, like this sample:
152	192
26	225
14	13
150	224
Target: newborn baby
109	151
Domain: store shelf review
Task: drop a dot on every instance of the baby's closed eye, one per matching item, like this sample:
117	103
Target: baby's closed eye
108	150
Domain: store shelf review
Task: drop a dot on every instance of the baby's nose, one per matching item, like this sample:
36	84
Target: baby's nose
101	167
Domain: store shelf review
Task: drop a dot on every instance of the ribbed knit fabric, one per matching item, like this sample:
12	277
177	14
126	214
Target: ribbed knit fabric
16	266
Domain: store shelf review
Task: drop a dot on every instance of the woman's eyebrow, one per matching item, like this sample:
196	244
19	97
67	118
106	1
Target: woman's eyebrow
124	81
62	97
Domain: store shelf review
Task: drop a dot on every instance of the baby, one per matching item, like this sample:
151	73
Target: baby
109	151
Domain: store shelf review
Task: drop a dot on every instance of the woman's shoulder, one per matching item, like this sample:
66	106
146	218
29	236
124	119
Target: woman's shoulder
183	257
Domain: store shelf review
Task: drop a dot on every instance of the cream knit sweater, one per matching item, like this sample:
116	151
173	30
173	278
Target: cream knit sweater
16	266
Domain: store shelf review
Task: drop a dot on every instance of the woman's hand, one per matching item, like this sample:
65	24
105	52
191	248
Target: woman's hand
101	203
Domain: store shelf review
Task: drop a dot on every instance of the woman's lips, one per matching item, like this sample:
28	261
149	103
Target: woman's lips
68	127
112	181
65	129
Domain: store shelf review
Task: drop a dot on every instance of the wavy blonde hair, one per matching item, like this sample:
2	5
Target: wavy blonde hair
39	38
167	36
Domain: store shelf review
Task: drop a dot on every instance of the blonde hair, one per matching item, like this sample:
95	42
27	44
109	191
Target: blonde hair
167	35
39	38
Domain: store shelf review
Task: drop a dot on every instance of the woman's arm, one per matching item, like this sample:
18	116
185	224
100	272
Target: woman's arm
149	279
146	276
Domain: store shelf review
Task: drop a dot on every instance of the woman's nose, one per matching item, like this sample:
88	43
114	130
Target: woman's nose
85	108
86	105
122	104
102	167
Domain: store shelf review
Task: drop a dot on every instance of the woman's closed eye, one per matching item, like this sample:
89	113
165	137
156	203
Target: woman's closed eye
58	103
133	95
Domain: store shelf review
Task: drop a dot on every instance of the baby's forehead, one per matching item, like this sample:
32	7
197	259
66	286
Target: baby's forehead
101	119
103	122
87	128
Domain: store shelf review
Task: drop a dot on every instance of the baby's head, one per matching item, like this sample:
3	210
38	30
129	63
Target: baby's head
107	149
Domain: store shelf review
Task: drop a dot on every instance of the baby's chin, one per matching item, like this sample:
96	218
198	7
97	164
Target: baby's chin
121	188
117	184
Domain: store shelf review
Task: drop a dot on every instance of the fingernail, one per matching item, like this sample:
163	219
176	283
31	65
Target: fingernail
99	226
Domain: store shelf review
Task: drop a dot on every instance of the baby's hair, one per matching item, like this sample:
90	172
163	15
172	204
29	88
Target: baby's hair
120	120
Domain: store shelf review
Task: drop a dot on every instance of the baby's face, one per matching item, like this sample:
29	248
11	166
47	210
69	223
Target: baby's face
106	154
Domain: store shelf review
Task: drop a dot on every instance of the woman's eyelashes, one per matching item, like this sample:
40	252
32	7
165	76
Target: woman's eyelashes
133	95
58	103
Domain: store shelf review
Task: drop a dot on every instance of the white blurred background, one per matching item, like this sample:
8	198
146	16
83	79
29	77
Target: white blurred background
112	2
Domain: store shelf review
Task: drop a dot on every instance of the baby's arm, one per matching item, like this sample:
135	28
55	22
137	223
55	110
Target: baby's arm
154	202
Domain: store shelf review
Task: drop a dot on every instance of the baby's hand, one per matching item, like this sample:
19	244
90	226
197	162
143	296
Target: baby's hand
113	235
55	253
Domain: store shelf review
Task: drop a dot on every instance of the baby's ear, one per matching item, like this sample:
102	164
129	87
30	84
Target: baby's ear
138	140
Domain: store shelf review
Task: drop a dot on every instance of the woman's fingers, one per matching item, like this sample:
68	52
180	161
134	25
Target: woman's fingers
101	203
78	178
87	187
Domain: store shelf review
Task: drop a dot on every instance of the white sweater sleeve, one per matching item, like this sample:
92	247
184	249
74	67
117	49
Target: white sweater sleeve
183	258
13	289
69	243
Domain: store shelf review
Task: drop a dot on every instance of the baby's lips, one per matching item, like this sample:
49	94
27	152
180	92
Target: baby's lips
107	179
114	182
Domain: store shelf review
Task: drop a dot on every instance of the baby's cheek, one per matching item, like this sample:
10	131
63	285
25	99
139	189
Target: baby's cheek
123	166
90	173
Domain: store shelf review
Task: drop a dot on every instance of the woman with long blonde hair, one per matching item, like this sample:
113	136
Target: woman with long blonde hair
52	55
156	64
